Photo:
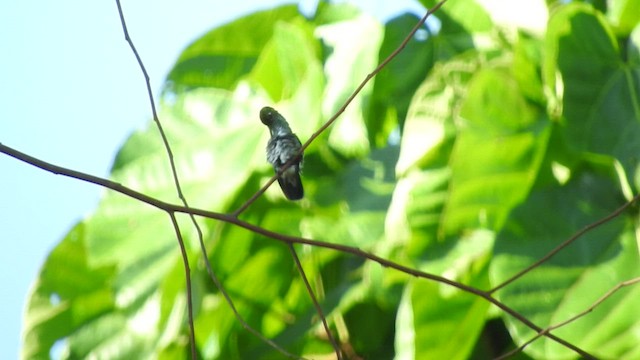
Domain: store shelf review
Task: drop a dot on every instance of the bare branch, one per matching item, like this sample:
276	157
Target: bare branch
239	317
187	271
192	335
312	295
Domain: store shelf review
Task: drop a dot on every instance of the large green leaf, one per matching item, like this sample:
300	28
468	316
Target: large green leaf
290	70
496	155
575	278
624	15
68	294
353	45
222	56
396	83
493	160
438	322
469	154
429	130
599	92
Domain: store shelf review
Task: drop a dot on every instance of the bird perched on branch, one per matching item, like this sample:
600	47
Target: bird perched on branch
283	149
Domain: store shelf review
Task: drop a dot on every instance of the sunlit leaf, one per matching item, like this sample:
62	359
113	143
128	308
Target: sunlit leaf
353	45
222	56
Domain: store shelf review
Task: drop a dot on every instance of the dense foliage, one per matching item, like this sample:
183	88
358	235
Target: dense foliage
485	144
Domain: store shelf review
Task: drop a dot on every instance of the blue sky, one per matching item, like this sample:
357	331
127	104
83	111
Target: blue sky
71	94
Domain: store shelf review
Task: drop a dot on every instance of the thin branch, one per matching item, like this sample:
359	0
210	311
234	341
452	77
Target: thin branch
156	119
374	73
572	319
280	237
165	141
135	53
312	295
187	272
566	243
176	180
344	106
239	317
261	191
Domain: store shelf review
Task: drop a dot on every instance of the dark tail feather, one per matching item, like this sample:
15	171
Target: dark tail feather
291	186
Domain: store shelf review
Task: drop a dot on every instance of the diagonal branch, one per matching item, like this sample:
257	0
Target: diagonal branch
187	271
375	71
323	319
237	315
566	243
573	318
344	106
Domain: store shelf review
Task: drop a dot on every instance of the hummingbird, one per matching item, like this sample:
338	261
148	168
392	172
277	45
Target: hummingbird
283	148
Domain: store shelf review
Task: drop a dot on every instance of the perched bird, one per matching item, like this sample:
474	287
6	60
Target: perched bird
283	148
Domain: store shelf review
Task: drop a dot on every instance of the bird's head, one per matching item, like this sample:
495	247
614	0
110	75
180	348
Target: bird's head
268	115
276	122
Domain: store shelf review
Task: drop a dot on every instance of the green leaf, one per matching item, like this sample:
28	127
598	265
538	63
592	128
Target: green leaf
575	278
416	209
496	155
464	25
289	67
527	68
465	16
397	82
222	56
290	71
68	294
491	165
624	15
600	101
436	321
429	130
353	44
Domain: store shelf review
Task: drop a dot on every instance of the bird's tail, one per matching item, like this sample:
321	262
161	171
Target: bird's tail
291	185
